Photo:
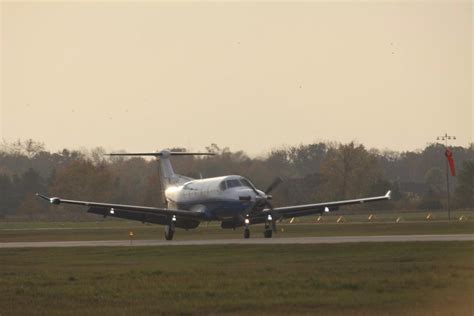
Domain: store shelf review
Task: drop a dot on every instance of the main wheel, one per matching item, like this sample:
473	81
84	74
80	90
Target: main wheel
267	233
169	232
246	233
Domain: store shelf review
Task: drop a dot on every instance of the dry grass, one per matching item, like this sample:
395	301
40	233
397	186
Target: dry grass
435	278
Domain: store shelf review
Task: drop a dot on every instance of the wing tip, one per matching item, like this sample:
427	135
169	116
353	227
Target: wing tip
389	194
41	196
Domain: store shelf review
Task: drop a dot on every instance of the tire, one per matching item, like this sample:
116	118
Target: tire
267	233
247	233
169	233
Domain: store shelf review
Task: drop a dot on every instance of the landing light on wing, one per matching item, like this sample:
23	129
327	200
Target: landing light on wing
112	211
326	209
54	200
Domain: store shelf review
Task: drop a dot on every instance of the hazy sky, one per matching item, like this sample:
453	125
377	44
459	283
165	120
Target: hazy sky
251	76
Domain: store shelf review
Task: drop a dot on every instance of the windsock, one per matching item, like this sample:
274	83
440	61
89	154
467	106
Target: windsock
449	155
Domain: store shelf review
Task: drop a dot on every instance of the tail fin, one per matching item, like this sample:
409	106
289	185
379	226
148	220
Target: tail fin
169	178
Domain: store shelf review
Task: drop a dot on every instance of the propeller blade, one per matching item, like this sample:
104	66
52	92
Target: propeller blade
274	184
254	189
270	206
262	200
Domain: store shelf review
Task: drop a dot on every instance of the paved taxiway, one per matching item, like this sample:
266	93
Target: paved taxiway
254	241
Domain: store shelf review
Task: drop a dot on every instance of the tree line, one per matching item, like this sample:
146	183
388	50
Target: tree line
321	171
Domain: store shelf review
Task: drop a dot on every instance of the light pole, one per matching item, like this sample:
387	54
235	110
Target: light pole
445	138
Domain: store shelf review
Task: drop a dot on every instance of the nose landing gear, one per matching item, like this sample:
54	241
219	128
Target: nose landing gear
246	229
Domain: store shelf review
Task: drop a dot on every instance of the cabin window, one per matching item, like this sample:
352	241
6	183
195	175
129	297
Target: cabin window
222	186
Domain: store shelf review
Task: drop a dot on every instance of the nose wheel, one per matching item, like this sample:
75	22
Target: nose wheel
246	229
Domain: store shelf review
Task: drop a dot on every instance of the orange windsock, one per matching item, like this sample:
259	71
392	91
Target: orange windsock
449	155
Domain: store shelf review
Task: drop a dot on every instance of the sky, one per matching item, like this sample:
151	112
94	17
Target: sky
251	76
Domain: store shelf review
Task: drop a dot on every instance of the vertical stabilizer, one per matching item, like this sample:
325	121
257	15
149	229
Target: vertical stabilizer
168	177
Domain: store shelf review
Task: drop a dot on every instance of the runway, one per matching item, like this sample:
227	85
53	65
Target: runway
254	241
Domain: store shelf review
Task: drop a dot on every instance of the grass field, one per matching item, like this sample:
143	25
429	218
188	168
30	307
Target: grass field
113	230
329	218
432	278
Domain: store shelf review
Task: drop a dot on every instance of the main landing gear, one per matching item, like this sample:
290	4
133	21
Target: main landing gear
169	229
246	233
267	233
270	226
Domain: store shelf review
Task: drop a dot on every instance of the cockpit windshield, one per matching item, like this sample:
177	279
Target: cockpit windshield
246	183
232	183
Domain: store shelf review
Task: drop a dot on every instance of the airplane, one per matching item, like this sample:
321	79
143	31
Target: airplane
233	200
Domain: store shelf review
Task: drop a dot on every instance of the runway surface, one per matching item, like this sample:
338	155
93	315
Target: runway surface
254	241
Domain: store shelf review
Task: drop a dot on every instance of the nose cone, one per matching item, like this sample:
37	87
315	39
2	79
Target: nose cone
261	193
261	198
249	195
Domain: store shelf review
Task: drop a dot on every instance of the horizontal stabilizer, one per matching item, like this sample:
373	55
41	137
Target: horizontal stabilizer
163	153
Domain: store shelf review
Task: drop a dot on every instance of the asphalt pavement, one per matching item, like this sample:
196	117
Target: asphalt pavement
251	241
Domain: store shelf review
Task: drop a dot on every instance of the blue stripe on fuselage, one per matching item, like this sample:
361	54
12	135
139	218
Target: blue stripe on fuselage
218	209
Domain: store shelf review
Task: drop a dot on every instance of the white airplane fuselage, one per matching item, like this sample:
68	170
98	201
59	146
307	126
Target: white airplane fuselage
220	198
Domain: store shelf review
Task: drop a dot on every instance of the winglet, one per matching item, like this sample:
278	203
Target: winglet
44	197
389	194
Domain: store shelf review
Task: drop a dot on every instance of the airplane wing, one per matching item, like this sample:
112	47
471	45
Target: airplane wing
142	213
308	209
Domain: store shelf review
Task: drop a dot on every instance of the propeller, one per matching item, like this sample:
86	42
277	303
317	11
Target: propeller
266	202
258	199
276	182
